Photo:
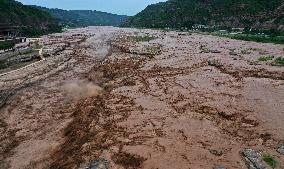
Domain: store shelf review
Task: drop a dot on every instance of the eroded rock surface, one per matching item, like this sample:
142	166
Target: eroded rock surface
253	159
281	149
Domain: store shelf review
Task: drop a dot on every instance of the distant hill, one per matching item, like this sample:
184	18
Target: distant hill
82	18
35	20
260	14
32	20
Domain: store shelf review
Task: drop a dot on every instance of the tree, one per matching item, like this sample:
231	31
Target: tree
6	45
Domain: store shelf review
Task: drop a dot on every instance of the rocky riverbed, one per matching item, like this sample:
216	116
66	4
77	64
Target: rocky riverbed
107	97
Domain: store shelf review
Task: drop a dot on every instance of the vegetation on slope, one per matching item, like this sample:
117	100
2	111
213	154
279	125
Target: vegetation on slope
6	45
33	21
36	21
259	14
82	18
269	38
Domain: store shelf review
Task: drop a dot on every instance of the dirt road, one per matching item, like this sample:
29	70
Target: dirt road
170	100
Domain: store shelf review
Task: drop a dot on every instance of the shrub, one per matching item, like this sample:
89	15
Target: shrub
266	58
6	45
279	61
2	65
270	161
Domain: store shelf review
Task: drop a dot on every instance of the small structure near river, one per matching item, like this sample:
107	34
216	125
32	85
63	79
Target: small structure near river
9	36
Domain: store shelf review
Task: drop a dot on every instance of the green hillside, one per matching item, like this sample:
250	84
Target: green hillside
32	20
82	18
259	14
